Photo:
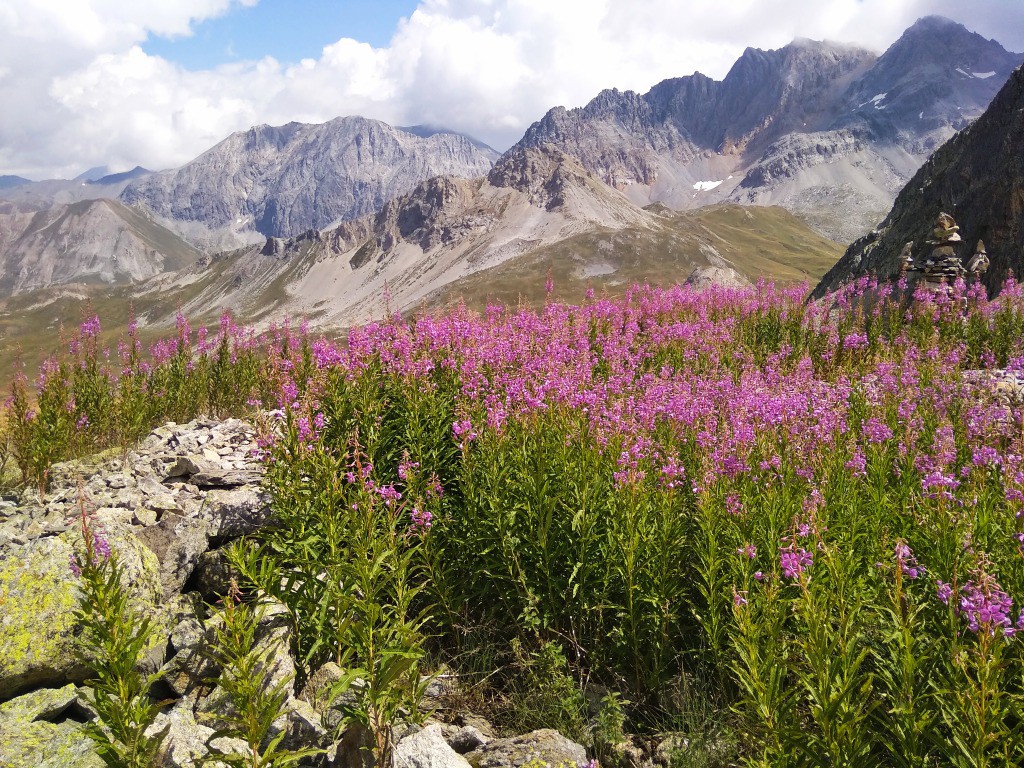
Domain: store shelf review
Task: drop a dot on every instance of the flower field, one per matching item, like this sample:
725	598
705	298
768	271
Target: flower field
806	516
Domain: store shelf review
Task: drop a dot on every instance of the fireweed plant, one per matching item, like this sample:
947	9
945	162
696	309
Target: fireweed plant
92	398
115	637
811	511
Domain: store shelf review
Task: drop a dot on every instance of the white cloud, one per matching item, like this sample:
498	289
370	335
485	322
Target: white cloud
78	90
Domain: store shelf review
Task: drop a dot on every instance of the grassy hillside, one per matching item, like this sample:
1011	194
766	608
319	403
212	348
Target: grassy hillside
756	242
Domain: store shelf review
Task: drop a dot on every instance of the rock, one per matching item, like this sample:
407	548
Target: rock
185	740
628	754
229	478
355	749
34	732
229	514
178	544
190	673
354	163
317	687
427	749
43	704
303	727
667	747
187	634
182	466
144	517
473	720
546	745
979	173
703	278
466	739
212	575
39	596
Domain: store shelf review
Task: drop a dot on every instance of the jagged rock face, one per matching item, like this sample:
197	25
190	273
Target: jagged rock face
544	175
280	181
931	82
770	93
797	152
818	127
978	177
98	241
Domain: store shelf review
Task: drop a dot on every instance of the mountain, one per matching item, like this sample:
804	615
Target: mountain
934	80
426	131
448	240
978	178
91	241
497	236
282	181
116	178
92	174
830	131
7	182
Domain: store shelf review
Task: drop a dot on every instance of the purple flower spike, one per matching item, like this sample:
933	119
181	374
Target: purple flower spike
906	561
794	562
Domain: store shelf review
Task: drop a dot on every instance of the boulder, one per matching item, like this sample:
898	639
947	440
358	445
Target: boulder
546	746
178	543
231	513
36	731
427	749
465	739
186	742
39	595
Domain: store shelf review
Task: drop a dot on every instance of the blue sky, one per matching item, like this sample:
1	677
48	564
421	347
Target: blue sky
288	30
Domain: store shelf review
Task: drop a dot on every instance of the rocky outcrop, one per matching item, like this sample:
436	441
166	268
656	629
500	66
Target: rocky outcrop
281	181
183	490
724	277
933	81
546	746
977	177
41	729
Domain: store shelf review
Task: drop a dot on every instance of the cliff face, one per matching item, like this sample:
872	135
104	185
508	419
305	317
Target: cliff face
281	181
977	177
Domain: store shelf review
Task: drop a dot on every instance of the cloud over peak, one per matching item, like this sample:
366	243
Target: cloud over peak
79	90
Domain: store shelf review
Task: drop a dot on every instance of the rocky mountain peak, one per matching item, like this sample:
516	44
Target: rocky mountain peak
283	180
935	79
542	173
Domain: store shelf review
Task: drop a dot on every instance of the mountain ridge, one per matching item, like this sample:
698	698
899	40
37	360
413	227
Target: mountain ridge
693	140
284	180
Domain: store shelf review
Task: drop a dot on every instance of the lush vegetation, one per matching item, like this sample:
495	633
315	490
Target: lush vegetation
790	531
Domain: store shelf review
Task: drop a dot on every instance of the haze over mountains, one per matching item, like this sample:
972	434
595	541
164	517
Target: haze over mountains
327	214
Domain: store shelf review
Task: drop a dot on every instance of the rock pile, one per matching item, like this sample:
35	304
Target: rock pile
942	263
168	507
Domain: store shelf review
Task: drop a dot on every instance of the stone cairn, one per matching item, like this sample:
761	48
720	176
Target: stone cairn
942	266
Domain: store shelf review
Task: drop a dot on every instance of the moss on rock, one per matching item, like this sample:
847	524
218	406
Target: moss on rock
38	597
27	738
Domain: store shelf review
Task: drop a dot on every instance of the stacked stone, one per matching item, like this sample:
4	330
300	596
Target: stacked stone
942	264
978	264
